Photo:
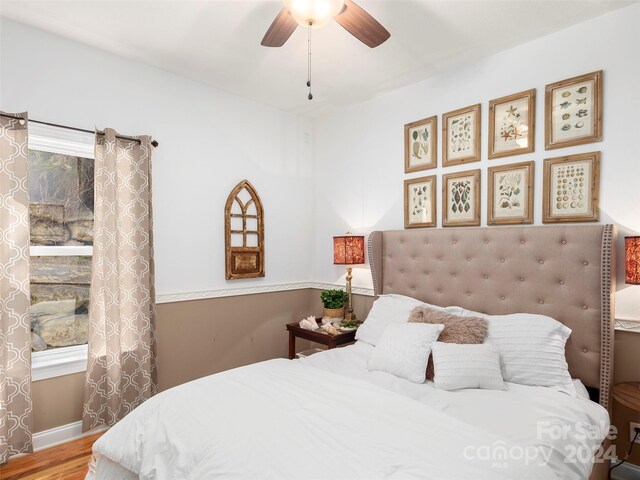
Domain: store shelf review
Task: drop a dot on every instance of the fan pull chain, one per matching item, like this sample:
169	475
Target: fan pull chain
310	96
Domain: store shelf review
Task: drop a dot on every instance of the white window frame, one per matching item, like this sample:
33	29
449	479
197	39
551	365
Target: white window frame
67	360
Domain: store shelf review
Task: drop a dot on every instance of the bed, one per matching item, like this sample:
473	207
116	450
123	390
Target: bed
329	417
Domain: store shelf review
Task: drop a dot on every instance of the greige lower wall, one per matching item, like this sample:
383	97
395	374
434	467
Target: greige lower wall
203	337
57	401
195	339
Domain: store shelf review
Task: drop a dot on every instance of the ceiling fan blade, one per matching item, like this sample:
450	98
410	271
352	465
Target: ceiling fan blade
362	25
280	30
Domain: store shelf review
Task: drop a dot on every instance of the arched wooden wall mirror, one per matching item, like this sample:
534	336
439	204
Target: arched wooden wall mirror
244	233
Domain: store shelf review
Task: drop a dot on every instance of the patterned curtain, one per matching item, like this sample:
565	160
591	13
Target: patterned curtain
121	370
15	324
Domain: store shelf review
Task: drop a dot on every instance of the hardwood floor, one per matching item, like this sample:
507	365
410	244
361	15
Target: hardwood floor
64	462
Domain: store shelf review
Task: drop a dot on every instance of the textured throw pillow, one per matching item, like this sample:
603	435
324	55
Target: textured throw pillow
388	309
532	349
403	350
460	366
457	329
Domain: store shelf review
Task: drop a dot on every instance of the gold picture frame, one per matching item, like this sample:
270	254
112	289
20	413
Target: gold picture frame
421	145
510	194
461	136
512	124
573	111
420	202
461	199
571	188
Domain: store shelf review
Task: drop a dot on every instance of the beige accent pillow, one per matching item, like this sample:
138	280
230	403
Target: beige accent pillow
461	330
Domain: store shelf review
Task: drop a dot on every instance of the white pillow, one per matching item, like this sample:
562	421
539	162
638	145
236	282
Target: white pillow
388	309
532	349
458	366
403	350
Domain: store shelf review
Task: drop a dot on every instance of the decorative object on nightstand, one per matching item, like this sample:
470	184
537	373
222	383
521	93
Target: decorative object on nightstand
632	260
309	323
348	250
333	302
318	336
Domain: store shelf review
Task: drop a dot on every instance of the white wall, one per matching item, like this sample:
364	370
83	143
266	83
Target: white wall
358	151
209	141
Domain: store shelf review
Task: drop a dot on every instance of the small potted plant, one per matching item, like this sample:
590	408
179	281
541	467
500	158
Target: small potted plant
333	301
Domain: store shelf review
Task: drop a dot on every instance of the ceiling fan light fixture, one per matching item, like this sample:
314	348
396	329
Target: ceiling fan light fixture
315	12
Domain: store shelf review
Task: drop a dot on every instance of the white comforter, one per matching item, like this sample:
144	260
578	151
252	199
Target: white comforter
285	419
564	429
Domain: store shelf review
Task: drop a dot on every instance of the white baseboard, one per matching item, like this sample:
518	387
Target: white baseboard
58	435
626	471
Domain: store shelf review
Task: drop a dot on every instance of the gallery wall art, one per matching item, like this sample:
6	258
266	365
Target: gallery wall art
573	116
573	111
512	124
461	136
420	202
421	145
461	199
510	194
571	188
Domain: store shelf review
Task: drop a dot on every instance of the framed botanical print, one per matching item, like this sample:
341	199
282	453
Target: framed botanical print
421	145
512	124
420	202
461	136
573	111
571	188
461	199
510	199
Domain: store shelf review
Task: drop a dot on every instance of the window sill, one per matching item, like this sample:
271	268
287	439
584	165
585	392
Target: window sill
58	362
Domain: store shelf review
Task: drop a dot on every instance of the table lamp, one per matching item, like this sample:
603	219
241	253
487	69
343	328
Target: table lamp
348	250
632	260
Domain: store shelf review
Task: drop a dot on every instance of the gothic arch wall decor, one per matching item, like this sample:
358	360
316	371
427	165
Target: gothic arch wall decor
244	233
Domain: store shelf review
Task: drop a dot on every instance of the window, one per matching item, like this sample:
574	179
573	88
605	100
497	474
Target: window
61	179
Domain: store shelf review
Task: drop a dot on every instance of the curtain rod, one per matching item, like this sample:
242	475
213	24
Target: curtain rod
154	142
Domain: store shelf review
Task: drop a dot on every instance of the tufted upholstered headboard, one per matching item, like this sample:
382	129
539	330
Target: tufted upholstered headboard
564	272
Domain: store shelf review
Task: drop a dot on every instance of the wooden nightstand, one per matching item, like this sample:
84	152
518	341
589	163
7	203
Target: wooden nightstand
331	341
628	394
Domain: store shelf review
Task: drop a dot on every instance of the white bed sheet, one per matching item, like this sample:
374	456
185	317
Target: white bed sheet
285	419
522	415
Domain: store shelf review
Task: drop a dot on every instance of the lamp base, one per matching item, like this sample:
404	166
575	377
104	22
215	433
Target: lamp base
349	315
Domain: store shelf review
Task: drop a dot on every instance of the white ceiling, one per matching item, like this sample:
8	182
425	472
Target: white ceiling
218	42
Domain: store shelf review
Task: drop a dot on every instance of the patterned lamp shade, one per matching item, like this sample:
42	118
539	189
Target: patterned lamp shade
348	250
632	260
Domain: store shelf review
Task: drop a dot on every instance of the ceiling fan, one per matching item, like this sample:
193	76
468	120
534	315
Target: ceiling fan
317	13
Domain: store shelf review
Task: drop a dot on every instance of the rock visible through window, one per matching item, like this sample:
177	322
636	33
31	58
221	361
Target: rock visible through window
61	196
